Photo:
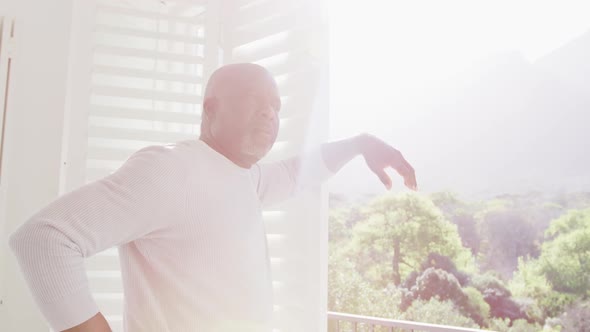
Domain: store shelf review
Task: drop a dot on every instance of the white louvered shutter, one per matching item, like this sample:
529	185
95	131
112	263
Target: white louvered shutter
138	69
289	37
137	78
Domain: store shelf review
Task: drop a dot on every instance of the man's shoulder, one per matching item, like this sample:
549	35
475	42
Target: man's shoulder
167	150
170	156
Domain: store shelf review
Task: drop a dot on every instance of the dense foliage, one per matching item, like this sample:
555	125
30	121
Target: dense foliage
511	263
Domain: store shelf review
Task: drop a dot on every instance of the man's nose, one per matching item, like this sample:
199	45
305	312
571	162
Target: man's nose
268	111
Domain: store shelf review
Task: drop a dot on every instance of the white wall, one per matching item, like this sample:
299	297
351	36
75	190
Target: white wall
33	138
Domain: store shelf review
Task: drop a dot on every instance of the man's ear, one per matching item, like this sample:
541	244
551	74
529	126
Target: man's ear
210	107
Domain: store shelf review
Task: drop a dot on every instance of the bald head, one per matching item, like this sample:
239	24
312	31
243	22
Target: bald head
240	109
237	78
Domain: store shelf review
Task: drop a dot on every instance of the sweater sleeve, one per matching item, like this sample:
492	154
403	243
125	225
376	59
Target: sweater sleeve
143	196
278	181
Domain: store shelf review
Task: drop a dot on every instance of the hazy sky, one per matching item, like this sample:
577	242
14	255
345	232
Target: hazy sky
387	49
385	54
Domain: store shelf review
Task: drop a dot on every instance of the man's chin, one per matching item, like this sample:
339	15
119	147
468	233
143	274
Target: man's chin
257	152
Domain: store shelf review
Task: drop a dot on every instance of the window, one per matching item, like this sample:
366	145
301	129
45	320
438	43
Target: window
137	76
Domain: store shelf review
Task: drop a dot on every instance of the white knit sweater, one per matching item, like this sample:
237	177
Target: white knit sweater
188	226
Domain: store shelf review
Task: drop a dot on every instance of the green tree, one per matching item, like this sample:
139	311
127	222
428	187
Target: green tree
565	255
348	292
498	297
398	232
519	325
478	308
528	281
338	230
435	311
461	214
530	286
439	284
576	317
506	235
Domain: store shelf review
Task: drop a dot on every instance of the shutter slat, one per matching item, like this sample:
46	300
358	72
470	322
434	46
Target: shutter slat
277	268
298	92
293	106
282	150
243	4
285	42
115	322
122	71
93	173
144	114
137	134
112	284
288	294
276	244
271	215
295	81
261	11
103	28
109	305
273	26
293	128
112	154
274	221
193	20
102	263
146	94
154	55
284	271
276	226
281	63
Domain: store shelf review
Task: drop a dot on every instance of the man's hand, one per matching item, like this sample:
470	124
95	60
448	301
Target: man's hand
379	156
95	324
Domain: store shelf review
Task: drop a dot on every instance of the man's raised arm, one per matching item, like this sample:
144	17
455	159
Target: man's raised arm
377	154
280	180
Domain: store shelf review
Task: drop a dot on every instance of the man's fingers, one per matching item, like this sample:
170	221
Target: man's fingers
395	160
383	177
407	165
410	177
410	182
414	180
404	168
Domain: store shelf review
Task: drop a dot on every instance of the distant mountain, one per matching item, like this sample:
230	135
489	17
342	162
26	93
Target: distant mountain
503	126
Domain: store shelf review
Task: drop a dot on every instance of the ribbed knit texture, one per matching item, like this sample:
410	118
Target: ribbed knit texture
188	226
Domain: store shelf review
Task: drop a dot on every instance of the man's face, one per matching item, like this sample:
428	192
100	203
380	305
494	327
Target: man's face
246	117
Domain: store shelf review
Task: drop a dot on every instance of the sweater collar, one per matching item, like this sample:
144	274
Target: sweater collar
220	157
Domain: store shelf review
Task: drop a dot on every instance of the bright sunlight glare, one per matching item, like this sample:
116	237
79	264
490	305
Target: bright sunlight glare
387	56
